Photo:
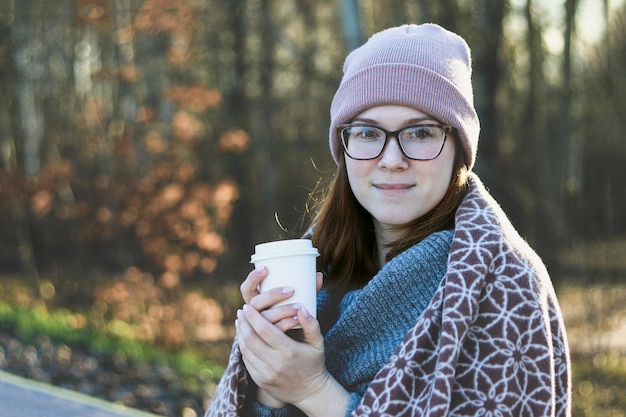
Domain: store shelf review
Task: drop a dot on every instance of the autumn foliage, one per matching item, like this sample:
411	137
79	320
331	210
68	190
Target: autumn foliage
128	210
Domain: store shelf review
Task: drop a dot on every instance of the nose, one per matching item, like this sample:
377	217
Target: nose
392	156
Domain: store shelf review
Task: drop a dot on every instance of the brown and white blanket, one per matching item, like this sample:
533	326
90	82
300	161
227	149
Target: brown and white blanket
491	342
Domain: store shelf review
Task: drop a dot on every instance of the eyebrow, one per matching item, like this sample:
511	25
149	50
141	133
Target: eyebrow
406	122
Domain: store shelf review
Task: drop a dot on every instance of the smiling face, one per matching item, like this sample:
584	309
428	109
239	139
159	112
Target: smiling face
396	190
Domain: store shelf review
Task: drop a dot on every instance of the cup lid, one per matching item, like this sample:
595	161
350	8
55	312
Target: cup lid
288	247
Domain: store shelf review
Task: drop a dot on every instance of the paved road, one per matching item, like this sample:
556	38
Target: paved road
21	397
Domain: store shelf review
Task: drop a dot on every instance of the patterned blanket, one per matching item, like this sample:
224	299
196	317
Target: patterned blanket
491	342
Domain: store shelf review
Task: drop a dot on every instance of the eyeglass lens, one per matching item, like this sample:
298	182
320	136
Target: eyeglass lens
421	142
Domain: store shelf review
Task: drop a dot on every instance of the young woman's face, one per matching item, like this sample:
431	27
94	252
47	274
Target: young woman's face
394	189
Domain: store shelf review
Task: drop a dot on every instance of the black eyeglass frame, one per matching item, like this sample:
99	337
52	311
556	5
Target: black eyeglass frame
388	133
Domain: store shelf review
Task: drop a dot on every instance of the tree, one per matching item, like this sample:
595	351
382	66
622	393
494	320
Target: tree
146	132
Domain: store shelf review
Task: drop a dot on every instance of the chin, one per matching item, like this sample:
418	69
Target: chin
397	223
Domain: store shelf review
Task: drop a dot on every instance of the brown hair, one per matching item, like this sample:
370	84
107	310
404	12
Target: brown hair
344	230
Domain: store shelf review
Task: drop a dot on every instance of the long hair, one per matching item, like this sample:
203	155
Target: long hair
343	231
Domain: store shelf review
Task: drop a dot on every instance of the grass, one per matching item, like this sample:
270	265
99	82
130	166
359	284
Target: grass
62	326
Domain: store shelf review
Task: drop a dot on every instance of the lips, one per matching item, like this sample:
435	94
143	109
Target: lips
393	186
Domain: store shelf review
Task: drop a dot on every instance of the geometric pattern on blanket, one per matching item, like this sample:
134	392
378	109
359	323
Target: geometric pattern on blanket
491	343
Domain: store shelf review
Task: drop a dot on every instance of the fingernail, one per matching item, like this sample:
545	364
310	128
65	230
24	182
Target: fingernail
287	290
297	306
245	307
236	323
259	270
238	313
306	313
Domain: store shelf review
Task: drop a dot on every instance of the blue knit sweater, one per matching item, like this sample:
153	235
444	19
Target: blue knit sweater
363	327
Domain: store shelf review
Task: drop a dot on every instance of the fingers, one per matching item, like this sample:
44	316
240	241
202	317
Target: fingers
271	297
264	364
285	317
247	338
258	333
268	334
250	286
285	368
311	329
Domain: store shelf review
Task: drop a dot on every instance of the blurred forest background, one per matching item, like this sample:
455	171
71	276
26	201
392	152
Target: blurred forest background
146	146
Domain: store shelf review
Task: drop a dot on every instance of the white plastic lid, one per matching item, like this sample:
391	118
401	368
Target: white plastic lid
289	247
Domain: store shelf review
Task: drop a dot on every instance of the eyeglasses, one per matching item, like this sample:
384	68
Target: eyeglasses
418	142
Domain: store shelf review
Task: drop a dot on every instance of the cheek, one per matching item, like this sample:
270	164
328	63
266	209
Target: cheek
436	177
443	185
357	178
446	162
445	178
355	172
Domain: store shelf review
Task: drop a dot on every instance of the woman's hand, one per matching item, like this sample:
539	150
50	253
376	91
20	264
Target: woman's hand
286	370
284	317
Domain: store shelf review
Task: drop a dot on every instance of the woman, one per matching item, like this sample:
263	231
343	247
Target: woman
431	303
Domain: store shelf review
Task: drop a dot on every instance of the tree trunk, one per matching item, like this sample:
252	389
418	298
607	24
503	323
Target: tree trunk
487	76
266	139
8	146
569	136
28	54
547	221
351	24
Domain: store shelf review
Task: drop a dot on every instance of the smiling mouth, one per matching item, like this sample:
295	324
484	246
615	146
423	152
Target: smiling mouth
393	186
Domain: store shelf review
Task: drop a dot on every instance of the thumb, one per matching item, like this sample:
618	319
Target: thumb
310	328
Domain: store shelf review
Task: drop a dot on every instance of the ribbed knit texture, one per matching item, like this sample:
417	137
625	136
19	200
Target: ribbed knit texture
373	321
424	67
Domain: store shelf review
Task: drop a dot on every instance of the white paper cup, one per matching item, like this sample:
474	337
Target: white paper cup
290	263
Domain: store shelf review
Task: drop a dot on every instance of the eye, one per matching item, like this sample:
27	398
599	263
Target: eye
365	133
417	132
420	132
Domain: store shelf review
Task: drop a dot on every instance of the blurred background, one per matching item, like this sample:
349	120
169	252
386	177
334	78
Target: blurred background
146	146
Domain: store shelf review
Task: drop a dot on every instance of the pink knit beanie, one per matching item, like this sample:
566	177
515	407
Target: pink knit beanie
424	67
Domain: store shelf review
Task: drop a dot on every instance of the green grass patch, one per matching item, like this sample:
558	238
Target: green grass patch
65	327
